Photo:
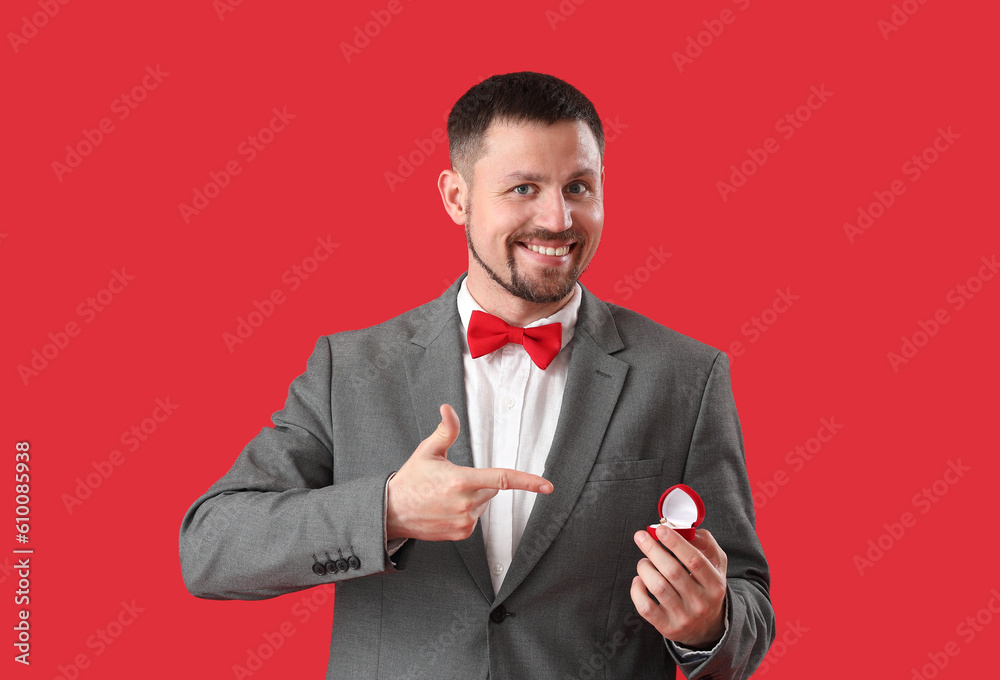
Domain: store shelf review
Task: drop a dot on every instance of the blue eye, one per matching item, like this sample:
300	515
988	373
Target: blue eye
583	187
521	186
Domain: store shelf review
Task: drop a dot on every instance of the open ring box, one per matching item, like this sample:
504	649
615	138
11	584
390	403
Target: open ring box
681	509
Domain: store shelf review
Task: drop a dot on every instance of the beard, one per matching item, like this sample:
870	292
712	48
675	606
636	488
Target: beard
553	284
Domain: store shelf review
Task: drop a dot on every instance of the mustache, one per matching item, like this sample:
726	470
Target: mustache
562	238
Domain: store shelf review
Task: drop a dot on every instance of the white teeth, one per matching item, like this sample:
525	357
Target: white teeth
558	252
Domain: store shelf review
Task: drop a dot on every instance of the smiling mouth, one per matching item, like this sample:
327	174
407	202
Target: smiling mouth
547	250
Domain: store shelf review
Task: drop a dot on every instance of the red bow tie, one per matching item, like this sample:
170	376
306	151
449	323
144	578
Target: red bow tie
488	333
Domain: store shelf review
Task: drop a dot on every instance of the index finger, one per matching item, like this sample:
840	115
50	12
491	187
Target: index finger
693	559
503	479
710	548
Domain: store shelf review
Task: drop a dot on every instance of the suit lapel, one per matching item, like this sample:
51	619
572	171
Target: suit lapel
593	384
435	375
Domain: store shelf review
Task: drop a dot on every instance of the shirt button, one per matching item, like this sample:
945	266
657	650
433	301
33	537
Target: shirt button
498	569
510	402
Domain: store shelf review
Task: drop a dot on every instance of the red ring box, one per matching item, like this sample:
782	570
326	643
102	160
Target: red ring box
681	509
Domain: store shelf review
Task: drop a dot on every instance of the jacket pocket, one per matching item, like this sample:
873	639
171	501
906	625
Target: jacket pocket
625	469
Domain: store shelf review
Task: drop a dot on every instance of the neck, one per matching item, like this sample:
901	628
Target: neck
495	299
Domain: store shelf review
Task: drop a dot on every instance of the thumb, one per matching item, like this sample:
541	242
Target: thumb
446	433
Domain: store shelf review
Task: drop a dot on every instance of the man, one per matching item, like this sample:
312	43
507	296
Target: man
489	460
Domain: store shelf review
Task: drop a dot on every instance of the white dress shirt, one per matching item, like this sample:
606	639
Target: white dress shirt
513	409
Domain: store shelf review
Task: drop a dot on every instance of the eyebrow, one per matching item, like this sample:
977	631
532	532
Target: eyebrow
520	175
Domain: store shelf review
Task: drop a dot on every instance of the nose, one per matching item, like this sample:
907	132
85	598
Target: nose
554	213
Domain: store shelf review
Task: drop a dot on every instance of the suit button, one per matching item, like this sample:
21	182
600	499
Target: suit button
354	562
319	569
331	567
342	564
498	614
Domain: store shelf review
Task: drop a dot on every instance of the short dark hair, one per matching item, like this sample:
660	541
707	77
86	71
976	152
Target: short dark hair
515	98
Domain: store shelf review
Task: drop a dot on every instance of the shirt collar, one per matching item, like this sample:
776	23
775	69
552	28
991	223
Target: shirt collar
566	315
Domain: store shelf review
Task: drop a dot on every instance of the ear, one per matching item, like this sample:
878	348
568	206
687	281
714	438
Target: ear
454	193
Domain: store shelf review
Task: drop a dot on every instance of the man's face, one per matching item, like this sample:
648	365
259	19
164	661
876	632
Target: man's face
536	212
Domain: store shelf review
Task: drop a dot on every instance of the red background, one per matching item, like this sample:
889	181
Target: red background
675	134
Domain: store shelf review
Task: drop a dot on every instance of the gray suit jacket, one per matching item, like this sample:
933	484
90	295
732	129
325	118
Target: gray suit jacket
644	408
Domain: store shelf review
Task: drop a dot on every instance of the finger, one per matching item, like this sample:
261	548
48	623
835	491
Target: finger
706	543
478	511
483	496
658	586
671	569
646	606
447	429
503	479
444	436
694	561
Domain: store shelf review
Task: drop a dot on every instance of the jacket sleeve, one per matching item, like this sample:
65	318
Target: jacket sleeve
262	529
716	468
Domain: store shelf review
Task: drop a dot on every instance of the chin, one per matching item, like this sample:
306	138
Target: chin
542	292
